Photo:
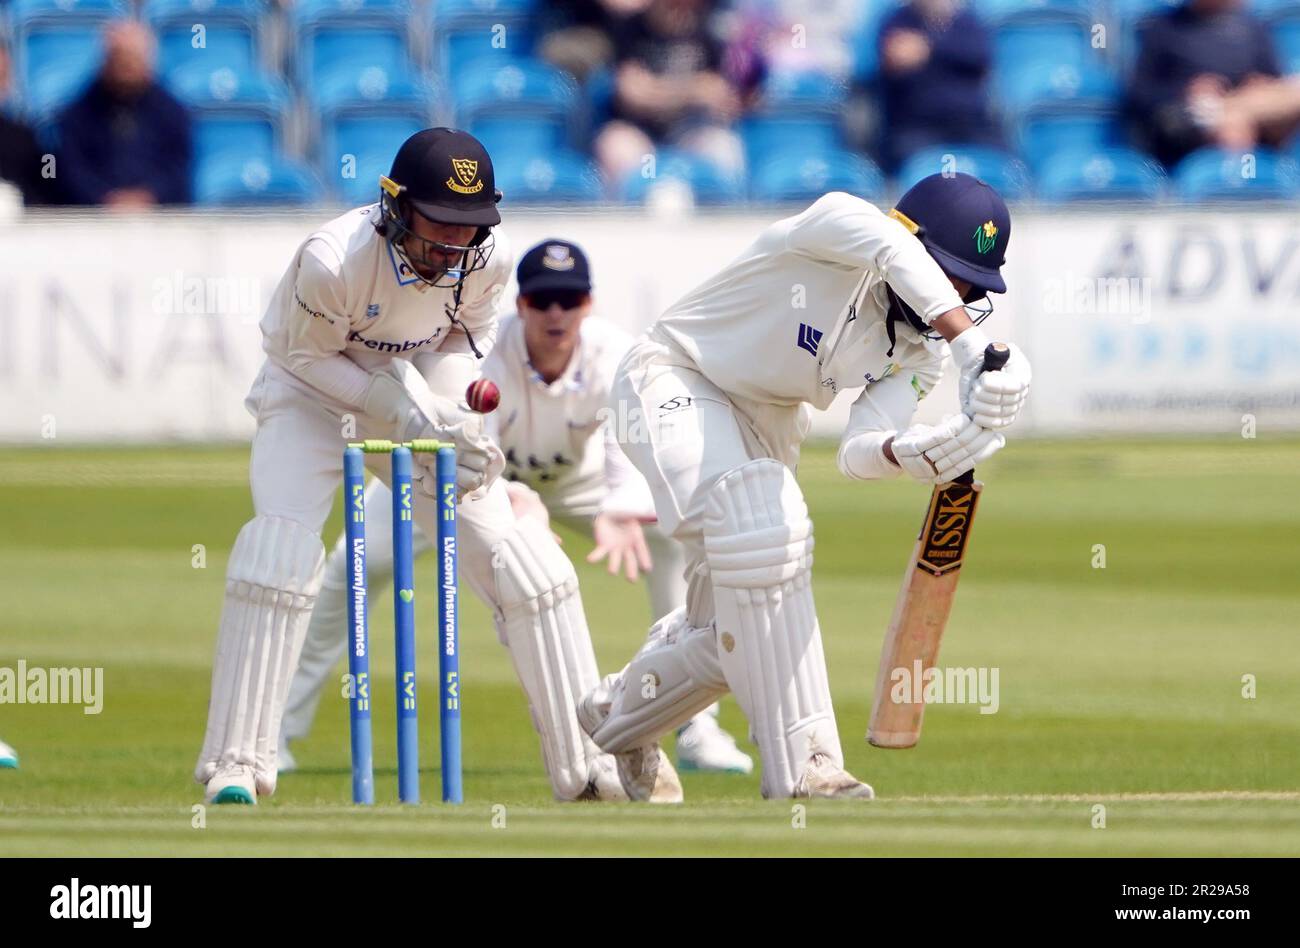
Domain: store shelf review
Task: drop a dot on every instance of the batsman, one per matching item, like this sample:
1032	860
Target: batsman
718	394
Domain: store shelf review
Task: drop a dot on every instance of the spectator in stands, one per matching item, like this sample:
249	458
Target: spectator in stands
1207	74
934	58
126	141
21	160
579	37
670	90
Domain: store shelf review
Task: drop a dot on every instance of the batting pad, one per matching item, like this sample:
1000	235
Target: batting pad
758	543
541	621
674	677
272	579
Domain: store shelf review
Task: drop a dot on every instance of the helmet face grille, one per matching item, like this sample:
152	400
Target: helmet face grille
423	259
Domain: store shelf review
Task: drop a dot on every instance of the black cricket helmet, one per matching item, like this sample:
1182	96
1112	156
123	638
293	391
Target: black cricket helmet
445	176
965	226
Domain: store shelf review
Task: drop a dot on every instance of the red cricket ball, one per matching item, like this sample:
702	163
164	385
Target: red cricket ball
483	396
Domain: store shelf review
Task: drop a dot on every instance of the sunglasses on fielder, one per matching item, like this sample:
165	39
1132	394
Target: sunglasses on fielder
567	299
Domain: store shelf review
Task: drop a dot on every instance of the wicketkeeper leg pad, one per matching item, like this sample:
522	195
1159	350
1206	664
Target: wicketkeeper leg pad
540	619
272	579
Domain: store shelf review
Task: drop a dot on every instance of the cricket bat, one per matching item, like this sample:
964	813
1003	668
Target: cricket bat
911	646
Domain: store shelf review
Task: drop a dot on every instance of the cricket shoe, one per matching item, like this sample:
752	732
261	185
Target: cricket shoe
645	773
703	745
232	783
603	783
8	757
822	777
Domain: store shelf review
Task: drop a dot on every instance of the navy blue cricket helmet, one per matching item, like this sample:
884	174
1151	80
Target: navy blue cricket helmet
965	226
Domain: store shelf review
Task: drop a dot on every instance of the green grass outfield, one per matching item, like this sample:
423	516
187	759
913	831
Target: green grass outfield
1120	687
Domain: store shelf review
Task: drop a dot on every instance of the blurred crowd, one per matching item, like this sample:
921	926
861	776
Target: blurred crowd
721	88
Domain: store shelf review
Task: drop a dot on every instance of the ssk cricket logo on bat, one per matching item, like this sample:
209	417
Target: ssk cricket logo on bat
947	525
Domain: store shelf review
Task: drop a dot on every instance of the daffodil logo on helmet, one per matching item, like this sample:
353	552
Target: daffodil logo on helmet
986	236
467	170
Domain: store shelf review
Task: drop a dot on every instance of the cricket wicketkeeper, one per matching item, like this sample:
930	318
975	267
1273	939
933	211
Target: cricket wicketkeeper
839	297
375	331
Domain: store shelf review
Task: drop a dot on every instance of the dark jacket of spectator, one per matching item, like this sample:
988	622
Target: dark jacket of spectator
944	100
110	144
681	54
1176	47
21	161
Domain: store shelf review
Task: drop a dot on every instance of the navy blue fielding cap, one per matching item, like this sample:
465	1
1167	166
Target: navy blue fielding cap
963	223
554	265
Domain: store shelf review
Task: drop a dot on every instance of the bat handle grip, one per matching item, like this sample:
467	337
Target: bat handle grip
996	355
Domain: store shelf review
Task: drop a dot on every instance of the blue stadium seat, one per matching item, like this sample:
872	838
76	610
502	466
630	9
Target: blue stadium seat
1212	174
1059	85
230	45
1104	174
560	177
1026	47
766	139
1044	135
791	178
1286	36
516	87
361	185
361	133
468	30
231	30
709	184
248	12
803	91
993	166
376	88
234	181
519	133
1274	9
54	65
218	135
23	12
997	12
358	33
56	47
329	49
240	111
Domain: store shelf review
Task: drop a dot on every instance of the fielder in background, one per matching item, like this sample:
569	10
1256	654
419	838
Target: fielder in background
375	331
8	757
554	365
837	298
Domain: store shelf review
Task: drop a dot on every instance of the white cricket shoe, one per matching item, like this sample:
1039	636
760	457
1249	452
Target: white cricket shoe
603	782
645	773
824	778
287	763
703	745
232	783
8	757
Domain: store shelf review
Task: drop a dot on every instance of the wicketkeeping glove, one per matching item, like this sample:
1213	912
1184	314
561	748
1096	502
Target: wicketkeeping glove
399	398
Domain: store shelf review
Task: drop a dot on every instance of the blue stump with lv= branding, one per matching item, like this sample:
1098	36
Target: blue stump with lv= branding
408	739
